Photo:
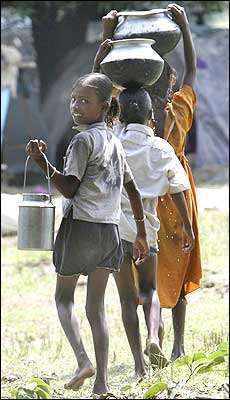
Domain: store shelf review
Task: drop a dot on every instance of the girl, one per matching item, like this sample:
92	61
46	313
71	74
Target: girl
157	171
174	122
88	239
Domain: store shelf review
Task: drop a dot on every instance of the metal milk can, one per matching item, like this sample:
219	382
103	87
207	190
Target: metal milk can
36	219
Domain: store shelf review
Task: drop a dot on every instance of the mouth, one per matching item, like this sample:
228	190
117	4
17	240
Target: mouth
77	115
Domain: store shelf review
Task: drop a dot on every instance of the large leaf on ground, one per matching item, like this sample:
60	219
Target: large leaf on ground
153	390
209	367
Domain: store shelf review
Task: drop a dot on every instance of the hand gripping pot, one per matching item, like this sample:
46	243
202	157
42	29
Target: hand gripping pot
36	219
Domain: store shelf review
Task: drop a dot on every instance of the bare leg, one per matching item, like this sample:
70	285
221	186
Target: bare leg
178	318
95	312
161	330
64	298
152	311
129	302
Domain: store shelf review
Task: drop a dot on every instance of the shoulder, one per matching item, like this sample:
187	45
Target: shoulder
162	146
161	153
82	141
185	92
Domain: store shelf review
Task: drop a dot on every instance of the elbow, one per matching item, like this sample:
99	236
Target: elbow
70	188
69	194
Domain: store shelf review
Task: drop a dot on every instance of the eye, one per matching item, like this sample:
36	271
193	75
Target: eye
83	101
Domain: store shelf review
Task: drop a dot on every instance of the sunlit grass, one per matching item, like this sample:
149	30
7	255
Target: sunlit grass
33	343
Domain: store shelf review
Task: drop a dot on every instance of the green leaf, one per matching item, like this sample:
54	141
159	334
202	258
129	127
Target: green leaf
215	354
42	394
23	393
42	384
13	394
126	387
198	356
153	390
185	360
223	346
208	367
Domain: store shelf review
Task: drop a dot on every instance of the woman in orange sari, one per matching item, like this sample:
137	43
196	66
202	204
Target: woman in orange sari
178	273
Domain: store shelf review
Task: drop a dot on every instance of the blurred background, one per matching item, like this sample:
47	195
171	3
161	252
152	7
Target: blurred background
46	45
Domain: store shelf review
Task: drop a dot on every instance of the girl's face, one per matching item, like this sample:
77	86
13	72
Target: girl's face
85	107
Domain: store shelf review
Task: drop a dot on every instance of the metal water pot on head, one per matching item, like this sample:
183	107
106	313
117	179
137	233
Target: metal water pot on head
36	219
156	24
132	62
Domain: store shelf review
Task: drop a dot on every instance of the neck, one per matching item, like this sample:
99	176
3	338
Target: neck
160	122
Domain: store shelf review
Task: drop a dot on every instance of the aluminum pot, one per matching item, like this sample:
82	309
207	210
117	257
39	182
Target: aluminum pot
36	219
154	24
132	62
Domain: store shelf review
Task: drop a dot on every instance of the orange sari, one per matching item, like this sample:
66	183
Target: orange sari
177	270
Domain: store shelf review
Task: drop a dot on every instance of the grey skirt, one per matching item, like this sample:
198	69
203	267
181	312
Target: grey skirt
81	247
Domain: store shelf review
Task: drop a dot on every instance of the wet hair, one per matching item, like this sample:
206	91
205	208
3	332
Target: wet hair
103	87
135	104
163	86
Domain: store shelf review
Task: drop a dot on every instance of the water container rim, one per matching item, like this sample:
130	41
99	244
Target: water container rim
137	40
35	194
144	13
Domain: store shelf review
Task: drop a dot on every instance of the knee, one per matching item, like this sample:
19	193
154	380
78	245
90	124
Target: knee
148	294
62	301
94	312
129	307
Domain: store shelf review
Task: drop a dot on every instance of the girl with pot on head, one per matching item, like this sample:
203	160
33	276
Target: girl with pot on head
174	113
174	119
88	240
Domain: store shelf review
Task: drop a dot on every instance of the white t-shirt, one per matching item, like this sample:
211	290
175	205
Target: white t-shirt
96	157
156	171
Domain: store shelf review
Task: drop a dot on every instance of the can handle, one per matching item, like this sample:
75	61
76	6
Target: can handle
48	174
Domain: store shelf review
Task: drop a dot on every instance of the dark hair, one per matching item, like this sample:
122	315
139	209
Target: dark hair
135	104
113	112
164	83
103	87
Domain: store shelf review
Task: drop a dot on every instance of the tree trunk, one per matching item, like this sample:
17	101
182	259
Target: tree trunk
53	39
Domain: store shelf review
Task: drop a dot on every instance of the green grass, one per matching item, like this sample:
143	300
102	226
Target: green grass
33	344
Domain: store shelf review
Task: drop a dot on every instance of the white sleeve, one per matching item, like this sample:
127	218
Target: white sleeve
77	159
178	179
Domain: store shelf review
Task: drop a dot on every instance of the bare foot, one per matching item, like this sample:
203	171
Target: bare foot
100	389
176	355
137	376
156	356
78	379
103	396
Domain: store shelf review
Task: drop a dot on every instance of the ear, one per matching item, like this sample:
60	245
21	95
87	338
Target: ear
150	115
